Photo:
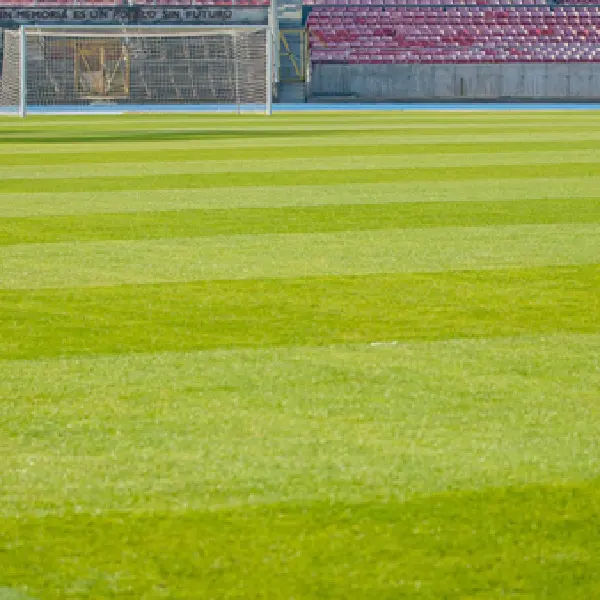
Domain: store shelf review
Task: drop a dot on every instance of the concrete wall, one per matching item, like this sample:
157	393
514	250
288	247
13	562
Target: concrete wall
467	82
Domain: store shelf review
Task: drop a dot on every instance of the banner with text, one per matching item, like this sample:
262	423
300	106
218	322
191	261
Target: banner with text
134	15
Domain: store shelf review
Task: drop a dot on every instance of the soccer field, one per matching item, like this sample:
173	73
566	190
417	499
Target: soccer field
311	356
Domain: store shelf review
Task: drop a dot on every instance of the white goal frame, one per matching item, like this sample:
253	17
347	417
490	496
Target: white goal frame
148	31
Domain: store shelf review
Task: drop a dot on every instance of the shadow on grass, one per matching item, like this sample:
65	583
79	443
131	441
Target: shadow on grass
32	136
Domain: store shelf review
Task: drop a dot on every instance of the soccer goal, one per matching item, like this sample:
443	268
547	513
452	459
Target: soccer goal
55	69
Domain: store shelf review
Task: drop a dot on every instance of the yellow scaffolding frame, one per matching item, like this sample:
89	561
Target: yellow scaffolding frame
299	61
106	65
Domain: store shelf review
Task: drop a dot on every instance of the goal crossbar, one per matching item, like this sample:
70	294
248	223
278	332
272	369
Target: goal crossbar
137	30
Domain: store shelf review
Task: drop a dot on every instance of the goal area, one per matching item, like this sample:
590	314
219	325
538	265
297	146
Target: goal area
53	69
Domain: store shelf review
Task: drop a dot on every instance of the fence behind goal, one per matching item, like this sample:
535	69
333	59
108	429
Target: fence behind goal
57	69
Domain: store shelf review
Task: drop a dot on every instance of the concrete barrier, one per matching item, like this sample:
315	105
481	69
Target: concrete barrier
519	81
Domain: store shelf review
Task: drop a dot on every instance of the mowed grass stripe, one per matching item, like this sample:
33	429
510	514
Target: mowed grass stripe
74	264
332	123
319	120
204	223
50	158
89	135
287	164
297	178
421	548
228	420
553	139
327	117
487	190
428	117
316	311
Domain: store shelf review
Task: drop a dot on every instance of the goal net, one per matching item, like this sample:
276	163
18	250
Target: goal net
58	69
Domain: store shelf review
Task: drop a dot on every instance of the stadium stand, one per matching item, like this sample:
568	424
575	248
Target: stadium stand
346	35
454	33
59	3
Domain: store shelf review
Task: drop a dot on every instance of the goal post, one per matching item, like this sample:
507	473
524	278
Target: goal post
12	84
51	69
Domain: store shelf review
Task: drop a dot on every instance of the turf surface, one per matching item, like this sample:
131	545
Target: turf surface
309	356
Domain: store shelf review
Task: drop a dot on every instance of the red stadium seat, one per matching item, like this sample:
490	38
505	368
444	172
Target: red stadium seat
464	31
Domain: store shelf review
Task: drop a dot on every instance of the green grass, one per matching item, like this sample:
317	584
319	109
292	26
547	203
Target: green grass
310	152
479	541
282	256
309	311
311	356
306	219
295	177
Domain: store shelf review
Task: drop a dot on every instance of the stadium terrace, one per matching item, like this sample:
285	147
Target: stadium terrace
355	51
